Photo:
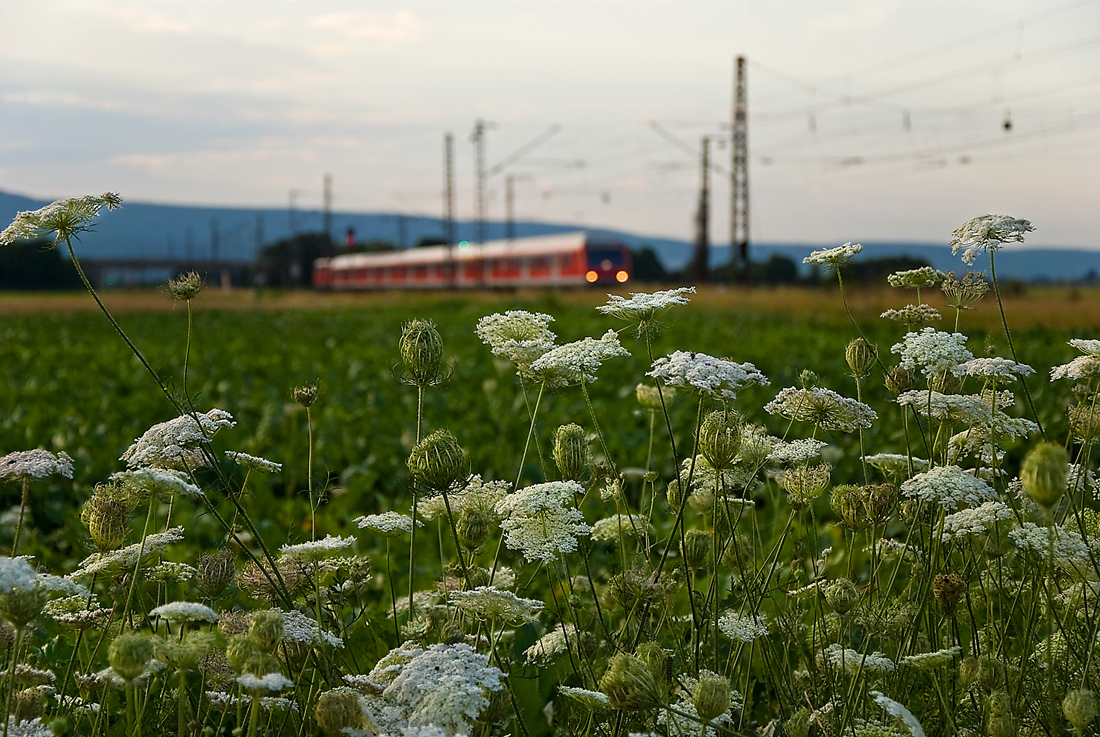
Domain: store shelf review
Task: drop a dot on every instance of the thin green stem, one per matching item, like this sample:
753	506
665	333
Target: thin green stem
22	507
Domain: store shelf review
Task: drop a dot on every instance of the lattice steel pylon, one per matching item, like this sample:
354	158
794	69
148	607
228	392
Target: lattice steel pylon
739	176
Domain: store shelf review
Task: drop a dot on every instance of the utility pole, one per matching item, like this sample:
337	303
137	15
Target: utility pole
739	176
702	222
292	197
214	237
510	206
448	189
478	139
326	199
259	235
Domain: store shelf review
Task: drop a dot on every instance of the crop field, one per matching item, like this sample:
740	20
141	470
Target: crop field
825	566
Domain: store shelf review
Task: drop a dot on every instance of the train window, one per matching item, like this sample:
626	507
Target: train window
420	271
540	264
605	258
514	264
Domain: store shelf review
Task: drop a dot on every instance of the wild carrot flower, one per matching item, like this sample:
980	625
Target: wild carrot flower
932	351
987	233
950	487
578	361
517	336
898	711
742	627
919	278
713	377
975	520
184	611
177	443
315	550
912	315
1070	549
268	682
849	660
620	525
159	483
833	258
490	604
823	407
388	524
538	524
930	661
796	452
552	645
993	368
65	218
35	464
127	557
963	409
253	463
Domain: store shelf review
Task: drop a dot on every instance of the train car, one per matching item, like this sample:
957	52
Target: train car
567	259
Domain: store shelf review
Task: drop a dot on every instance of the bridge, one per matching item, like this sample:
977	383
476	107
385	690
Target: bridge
121	271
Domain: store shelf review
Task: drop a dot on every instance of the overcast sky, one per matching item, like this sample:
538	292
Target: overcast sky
869	119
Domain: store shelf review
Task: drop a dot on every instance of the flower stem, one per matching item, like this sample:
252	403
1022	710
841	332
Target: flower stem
22	507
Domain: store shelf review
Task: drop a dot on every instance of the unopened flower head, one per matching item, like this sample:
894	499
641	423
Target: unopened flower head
987	233
950	487
713	377
491	604
833	258
621	526
185	287
932	351
64	218
642	307
177	443
925	276
578	361
35	464
253	463
823	407
517	336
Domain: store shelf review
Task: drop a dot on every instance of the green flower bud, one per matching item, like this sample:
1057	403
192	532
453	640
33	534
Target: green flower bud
129	655
803	484
20	607
266	631
968	670
880	501
1001	725
696	548
711	696
239	650
473	527
571	453
437	460
215	572
841	595
108	521
1044	473
421	349
338	710
1079	708
720	437
1000	704
799	723
673	493
659	662
991	674
899	380
861	357
848	504
305	395
948	588
185	286
650	398
629	685
28	704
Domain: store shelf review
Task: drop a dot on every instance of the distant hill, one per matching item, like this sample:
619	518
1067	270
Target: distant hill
176	231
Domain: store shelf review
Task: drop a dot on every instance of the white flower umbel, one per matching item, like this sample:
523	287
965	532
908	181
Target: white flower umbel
624	525
16	573
831	258
930	661
316	550
538	524
713	377
517	336
1082	368
388	524
445	686
482	494
642	307
491	604
253	463
297	627
127	557
823	407
911	315
552	645
1069	547
950	487
586	698
898	711
1001	369
896	464
975	520
184	611
987	233
578	361
742	627
177	443
28	727
962	409
65	218
269	682
920	278
932	351
162	483
35	464
842	658
796	452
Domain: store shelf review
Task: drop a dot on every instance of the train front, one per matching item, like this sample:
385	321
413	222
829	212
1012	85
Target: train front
608	263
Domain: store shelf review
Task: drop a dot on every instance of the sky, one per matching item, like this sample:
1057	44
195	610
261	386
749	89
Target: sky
889	120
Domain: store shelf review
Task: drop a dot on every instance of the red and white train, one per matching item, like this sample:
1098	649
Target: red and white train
567	259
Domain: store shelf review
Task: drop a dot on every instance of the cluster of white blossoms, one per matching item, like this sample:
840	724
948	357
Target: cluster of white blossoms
932	351
1069	548
713	377
925	276
993	368
742	627
298	627
896	464
842	658
686	722
576	362
184	611
66	217
796	452
160	483
552	645
479	494
974	520
268	682
930	661
387	524
960	409
491	604
445	686
253	463
177	443
950	487
644	307
911	315
584	697
823	407
27	727
898	711
620	525
35	464
1083	368
128	557
831	258
16	573
315	550
987	233
537	523
517	336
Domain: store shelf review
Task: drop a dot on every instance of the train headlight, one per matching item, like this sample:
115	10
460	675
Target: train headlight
621	277
591	277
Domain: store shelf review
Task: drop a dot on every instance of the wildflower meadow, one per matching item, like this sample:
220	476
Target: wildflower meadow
482	522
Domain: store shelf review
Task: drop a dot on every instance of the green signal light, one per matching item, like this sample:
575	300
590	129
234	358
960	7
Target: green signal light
463	245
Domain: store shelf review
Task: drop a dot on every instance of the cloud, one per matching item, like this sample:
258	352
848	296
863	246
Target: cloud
401	27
